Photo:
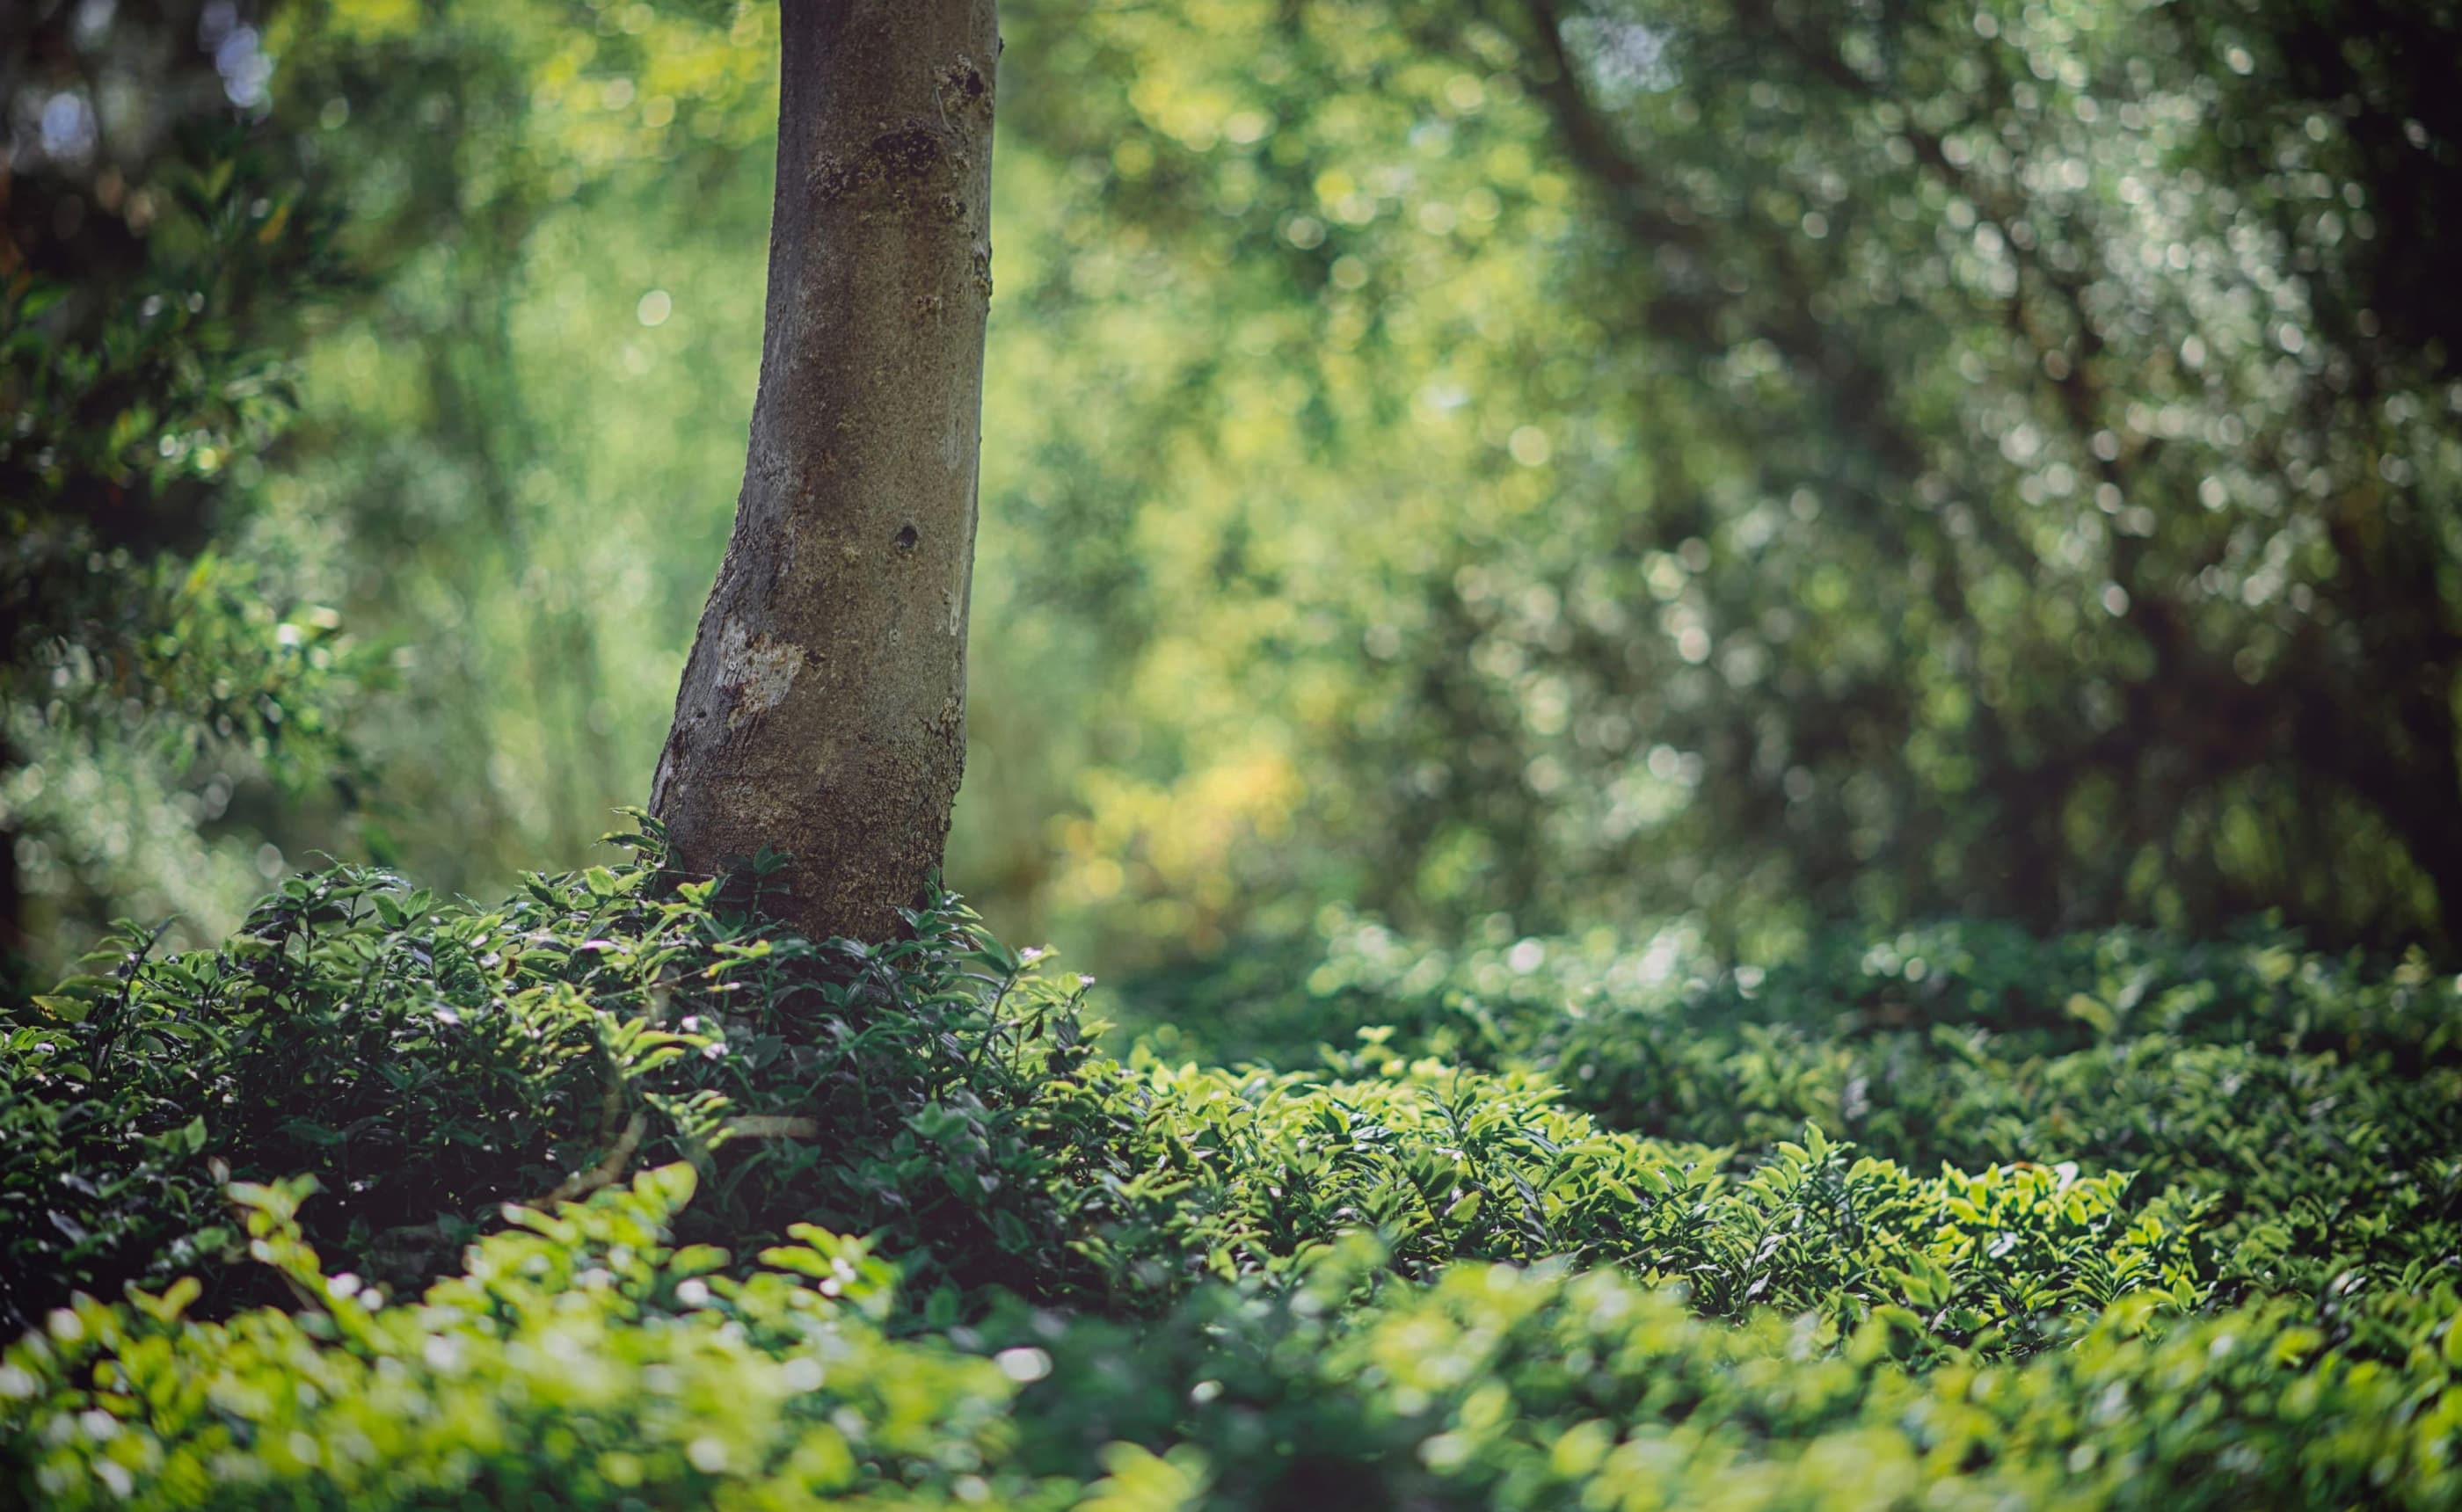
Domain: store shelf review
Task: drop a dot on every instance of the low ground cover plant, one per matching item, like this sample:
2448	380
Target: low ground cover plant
2314	1100
609	1194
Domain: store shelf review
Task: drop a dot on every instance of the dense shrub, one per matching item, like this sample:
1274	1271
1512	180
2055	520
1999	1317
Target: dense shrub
1558	1225
581	1360
1535	1387
426	1061
579	1357
2318	1102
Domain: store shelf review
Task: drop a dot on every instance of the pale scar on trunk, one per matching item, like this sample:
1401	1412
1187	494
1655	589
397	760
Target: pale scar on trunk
754	672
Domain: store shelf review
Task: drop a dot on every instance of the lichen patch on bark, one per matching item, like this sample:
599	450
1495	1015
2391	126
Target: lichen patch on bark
756	671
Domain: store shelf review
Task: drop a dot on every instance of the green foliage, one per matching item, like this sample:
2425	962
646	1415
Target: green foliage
426	1061
583	1355
157	260
517	182
395	1188
2314	1101
1386	504
1499	1387
1744	460
1444	1164
1712	468
578	1357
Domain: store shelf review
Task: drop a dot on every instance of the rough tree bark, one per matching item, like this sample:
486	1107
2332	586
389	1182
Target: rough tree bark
823	710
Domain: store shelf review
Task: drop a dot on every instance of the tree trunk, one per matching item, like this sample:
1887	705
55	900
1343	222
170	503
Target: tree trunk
823	712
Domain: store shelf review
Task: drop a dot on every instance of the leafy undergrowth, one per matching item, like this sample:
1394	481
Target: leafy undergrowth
609	1194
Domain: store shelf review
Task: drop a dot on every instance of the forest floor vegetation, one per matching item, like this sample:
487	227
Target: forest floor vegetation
612	1195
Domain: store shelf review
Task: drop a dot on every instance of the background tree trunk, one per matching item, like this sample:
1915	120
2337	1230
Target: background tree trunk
823	710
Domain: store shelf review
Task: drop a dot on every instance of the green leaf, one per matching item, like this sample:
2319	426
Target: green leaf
2091	1012
696	1260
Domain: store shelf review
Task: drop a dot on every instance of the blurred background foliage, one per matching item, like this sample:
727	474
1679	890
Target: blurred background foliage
1497	466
